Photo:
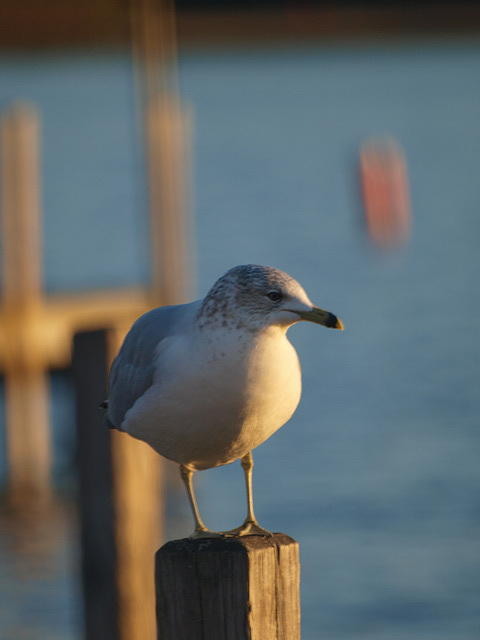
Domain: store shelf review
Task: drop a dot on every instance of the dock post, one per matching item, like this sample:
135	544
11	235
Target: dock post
120	506
26	380
243	588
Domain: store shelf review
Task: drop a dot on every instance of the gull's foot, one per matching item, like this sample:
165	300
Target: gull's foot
198	534
248	528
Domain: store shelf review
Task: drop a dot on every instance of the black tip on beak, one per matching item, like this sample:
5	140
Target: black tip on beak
320	316
333	322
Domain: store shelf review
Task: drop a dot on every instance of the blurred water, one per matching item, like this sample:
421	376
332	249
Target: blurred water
377	473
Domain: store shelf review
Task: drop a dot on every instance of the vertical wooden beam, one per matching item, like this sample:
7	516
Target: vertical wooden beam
138	497
137	475
21	216
120	503
27	413
26	381
229	589
167	131
95	485
168	125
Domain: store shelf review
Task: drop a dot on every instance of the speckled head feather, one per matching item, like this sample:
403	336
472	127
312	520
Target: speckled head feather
240	297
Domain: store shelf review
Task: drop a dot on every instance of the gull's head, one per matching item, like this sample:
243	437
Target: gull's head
253	297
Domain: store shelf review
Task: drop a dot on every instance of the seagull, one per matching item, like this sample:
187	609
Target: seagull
206	382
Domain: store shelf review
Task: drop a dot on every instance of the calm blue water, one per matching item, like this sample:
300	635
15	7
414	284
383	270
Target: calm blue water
377	475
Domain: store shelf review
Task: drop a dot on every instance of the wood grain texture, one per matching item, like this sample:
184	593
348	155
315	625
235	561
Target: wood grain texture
229	589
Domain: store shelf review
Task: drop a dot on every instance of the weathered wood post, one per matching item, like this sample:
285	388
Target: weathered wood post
168	129
95	489
138	497
120	506
26	381
229	589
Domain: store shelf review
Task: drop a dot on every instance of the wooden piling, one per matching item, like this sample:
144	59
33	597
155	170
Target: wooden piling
120	505
26	381
229	589
168	135
95	489
167	129
138	498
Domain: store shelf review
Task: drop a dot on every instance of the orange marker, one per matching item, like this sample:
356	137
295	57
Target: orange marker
386	195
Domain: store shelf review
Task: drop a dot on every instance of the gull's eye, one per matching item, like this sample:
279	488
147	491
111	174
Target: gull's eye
274	296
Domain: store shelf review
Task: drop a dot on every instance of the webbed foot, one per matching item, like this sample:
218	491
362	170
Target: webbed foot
248	528
198	534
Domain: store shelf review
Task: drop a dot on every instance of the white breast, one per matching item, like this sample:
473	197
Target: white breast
215	400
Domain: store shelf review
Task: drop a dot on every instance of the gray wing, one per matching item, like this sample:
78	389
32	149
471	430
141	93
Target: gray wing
133	369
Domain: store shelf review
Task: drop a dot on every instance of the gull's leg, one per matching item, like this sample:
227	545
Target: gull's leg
201	530
250	527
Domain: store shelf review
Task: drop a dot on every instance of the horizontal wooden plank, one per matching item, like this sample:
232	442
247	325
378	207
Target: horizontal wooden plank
40	334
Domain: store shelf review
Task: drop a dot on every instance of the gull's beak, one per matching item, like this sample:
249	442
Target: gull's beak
319	316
